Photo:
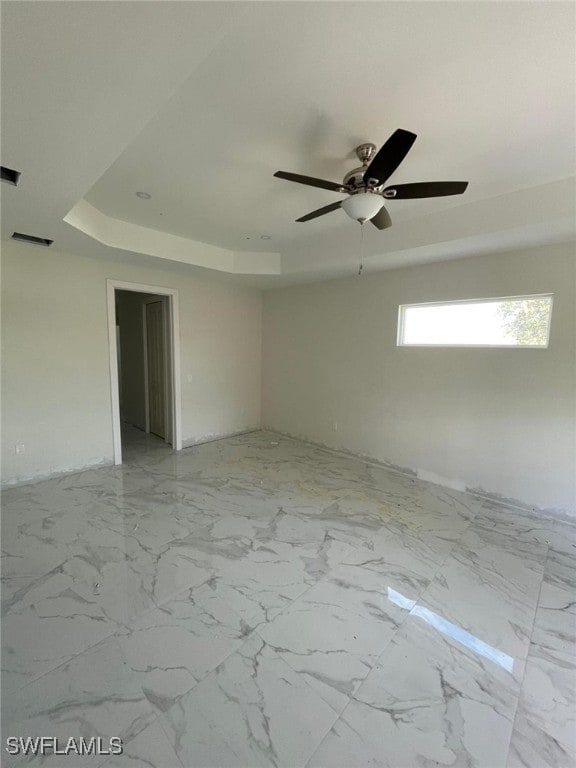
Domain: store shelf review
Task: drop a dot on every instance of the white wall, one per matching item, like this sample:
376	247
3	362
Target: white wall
55	360
503	420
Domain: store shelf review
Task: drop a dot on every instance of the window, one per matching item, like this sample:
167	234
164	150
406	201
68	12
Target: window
515	321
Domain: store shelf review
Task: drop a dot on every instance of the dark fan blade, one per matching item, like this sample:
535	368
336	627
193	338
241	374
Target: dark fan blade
425	189
382	219
310	181
321	211
390	156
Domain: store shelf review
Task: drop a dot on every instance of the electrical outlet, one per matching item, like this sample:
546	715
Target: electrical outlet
19	448
336	426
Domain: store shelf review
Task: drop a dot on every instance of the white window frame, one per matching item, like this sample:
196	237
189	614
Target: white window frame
402	311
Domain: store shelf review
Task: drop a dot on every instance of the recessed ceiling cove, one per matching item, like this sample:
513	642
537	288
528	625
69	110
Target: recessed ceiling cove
198	104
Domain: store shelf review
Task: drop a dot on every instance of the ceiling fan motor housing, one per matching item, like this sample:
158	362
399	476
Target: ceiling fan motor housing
355	178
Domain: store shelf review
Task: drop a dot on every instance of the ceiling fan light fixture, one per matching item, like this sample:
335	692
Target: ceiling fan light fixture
362	206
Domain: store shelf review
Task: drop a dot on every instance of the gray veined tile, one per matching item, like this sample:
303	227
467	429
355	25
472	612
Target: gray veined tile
555	623
490	550
354	741
12	588
176	568
308	524
524	525
259	598
369	735
414	515
326	556
34	541
334	634
46	623
269	576
400	555
426	703
407	607
122	586
530	748
561	563
236	525
173	647
411	496
564	539
560	569
47	497
253	710
94	694
154	523
356	514
128	577
489	586
545	727
150	749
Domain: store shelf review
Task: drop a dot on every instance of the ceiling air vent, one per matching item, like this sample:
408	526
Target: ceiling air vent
9	176
31	239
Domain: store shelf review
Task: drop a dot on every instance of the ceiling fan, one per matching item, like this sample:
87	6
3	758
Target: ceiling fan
365	185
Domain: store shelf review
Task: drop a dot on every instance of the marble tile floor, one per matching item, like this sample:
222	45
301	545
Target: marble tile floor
258	601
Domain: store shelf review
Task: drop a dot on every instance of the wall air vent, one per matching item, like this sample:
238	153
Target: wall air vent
9	176
31	239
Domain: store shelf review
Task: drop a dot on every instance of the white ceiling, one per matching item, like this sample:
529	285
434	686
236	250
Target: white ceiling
199	103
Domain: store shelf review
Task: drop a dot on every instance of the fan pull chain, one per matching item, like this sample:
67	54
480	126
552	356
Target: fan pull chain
361	267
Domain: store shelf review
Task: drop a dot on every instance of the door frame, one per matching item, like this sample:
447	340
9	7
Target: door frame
173	350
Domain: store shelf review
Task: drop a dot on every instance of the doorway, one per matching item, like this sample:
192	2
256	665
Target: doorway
157	405
144	365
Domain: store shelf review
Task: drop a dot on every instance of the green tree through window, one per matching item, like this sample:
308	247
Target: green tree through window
526	320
